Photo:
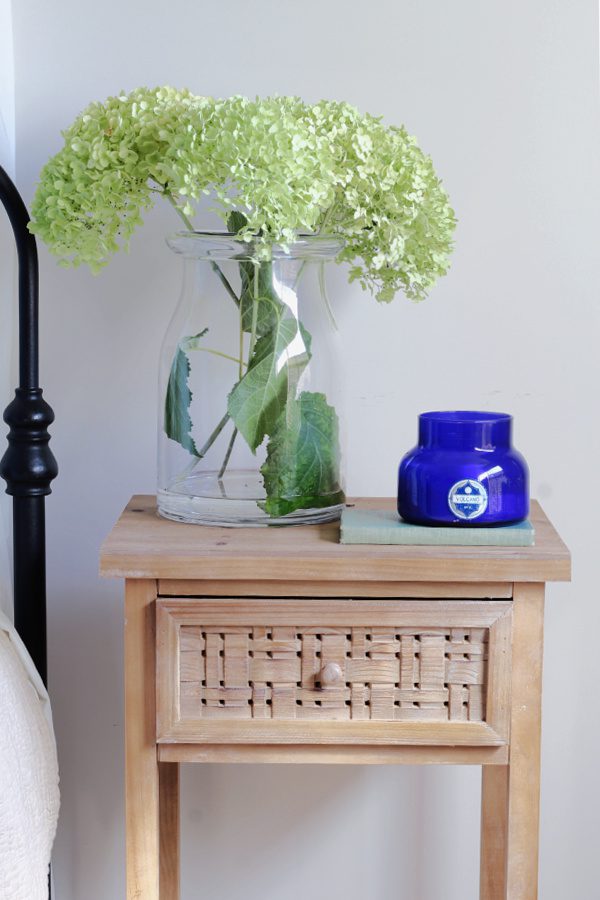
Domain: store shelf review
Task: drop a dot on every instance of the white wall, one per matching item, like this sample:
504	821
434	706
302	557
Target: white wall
7	88
7	277
503	94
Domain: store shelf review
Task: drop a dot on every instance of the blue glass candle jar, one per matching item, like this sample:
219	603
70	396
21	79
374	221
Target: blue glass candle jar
464	471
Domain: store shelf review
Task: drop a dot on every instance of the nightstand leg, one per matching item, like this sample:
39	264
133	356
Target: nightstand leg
141	765
494	821
169	830
511	795
525	733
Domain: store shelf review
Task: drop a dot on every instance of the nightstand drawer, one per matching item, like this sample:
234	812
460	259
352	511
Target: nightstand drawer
333	671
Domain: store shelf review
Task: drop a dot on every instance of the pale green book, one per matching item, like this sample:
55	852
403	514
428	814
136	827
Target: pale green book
383	526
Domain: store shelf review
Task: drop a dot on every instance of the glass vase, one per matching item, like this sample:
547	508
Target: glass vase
248	427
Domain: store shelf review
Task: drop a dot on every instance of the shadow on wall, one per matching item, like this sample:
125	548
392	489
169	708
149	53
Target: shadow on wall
300	820
85	644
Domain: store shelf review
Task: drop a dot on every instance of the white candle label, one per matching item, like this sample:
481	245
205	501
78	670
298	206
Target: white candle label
467	499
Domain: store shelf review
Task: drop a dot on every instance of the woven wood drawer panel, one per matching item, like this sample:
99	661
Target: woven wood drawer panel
427	662
265	673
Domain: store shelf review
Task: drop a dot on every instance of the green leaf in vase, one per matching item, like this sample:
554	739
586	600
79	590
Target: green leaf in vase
260	396
256	287
300	471
178	424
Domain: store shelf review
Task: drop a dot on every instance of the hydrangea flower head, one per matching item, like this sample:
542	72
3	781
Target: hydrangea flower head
288	166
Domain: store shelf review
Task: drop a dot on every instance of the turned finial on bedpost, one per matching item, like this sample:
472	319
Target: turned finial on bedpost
28	465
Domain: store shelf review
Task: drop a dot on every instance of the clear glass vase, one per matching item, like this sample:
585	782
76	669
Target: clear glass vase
248	427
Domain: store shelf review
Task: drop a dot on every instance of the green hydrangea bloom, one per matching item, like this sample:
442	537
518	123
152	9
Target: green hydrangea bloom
288	166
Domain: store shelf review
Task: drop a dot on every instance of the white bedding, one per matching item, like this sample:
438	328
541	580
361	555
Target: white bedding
29	796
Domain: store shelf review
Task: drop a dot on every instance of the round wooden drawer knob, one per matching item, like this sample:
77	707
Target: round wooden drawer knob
331	674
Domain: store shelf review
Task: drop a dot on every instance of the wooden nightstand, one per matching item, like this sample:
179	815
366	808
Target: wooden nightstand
281	645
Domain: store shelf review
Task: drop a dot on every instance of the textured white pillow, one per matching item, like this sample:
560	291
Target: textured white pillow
29	796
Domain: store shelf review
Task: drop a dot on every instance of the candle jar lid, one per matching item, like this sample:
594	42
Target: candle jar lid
464	471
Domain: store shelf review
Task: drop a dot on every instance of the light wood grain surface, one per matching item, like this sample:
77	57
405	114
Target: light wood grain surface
142	806
168	776
297	731
142	545
477	590
522	813
320	754
494	813
257	670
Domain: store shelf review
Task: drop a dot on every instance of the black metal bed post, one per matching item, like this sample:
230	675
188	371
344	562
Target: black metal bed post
28	465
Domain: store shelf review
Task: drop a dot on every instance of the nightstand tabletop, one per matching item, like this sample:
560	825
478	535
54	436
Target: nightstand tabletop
143	545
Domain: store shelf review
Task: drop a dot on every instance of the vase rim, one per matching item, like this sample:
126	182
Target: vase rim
226	245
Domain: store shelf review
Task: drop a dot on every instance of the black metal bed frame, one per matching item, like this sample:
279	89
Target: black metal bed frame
28	465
